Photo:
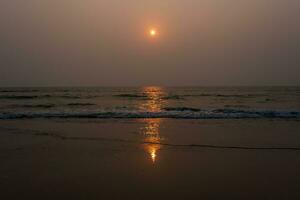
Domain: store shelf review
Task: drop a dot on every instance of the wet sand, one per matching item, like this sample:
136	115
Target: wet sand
150	159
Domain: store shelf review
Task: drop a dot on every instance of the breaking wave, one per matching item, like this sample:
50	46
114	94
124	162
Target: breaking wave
176	113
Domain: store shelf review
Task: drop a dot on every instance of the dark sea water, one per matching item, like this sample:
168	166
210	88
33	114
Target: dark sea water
150	102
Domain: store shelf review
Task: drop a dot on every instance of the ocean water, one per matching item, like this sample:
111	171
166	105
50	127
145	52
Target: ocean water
150	102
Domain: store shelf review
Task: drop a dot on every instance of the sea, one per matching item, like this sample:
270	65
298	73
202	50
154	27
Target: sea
150	102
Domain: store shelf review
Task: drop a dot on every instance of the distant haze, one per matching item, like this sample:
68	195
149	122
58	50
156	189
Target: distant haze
106	42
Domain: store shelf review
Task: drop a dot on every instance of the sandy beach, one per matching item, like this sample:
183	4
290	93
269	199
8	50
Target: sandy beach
149	158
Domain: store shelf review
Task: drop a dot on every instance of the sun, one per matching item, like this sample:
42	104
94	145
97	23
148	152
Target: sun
152	32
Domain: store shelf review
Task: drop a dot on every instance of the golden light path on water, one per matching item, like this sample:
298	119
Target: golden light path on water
151	135
150	131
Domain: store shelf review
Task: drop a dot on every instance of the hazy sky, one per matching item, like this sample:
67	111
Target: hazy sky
106	42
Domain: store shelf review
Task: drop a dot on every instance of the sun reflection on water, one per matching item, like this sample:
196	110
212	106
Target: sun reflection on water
152	137
154	99
150	131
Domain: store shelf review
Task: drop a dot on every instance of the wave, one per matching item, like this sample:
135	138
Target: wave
176	113
147	97
225	95
27	97
131	95
48	105
183	96
174	97
18	91
21	97
81	104
182	109
236	106
33	105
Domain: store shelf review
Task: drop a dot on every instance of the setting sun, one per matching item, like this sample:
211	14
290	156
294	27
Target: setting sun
153	32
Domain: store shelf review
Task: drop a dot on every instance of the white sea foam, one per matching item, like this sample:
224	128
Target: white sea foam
178	114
